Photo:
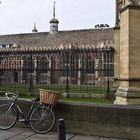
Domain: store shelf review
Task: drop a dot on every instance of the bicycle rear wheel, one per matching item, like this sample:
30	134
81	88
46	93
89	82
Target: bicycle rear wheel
8	116
42	120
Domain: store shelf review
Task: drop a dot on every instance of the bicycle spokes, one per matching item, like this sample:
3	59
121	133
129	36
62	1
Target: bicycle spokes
42	120
8	116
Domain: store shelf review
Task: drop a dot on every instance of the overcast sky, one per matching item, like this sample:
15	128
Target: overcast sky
18	16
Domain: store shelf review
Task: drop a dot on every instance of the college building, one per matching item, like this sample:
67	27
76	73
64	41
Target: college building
55	57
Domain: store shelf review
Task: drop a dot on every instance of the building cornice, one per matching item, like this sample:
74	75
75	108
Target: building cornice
132	7
128	79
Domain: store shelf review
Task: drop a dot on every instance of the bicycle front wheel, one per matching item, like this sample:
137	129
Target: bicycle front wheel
42	120
8	116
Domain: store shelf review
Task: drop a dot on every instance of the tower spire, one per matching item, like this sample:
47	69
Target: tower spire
54	9
34	29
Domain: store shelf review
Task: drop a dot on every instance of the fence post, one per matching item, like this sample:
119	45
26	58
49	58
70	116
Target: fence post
61	130
108	86
67	73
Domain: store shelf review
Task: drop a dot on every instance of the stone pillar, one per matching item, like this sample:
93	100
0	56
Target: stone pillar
79	72
116	83
34	73
97	66
49	73
129	89
20	76
20	73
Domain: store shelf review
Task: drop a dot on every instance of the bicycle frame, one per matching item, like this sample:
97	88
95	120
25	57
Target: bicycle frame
20	112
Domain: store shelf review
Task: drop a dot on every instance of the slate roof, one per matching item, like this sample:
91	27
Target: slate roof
44	39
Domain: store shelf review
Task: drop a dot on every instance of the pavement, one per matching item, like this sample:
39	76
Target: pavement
17	133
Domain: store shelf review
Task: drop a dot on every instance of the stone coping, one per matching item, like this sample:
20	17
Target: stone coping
84	104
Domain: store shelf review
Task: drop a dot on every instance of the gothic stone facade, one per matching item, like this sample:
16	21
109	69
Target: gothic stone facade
45	57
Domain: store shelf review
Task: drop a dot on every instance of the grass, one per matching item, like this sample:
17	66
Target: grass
25	91
25	88
72	99
87	100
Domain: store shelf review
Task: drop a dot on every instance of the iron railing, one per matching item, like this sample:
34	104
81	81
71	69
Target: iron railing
71	70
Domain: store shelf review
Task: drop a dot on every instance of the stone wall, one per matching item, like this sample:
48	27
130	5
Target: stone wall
97	119
102	120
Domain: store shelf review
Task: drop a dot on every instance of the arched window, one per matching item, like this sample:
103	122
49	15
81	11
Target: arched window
43	64
90	67
28	64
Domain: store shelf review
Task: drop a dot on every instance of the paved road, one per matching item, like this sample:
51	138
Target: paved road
27	134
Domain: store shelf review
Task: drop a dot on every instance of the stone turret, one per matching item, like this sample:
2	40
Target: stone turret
54	22
34	29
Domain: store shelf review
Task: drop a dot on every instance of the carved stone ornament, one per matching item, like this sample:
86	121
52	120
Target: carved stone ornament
130	2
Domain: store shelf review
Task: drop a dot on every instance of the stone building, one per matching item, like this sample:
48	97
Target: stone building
45	57
127	42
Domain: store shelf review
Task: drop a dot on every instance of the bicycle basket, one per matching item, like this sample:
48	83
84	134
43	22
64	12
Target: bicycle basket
49	96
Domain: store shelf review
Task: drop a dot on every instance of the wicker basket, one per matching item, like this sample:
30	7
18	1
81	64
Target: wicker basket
48	96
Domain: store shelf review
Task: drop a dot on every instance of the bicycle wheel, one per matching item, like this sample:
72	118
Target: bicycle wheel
8	116
42	120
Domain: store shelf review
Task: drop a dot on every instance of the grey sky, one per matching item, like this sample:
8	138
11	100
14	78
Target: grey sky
18	16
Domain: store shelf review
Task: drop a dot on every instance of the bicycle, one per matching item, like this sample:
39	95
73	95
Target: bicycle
40	117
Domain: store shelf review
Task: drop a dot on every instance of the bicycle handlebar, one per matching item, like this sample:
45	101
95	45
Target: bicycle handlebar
13	95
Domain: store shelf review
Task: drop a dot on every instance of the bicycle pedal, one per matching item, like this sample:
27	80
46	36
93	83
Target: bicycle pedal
22	120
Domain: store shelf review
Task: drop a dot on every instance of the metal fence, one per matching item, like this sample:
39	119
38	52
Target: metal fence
74	70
